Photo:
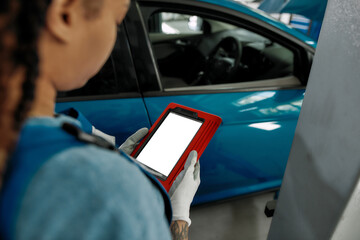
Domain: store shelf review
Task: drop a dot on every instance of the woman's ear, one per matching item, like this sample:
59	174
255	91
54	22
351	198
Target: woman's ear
61	18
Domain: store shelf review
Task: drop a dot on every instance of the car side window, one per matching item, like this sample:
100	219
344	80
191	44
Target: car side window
117	76
196	51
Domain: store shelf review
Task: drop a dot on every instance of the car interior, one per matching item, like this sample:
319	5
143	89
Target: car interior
192	51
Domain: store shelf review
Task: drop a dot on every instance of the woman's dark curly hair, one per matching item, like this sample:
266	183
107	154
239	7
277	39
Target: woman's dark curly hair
21	22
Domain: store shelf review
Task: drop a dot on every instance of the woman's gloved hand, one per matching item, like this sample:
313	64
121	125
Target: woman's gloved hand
183	190
130	144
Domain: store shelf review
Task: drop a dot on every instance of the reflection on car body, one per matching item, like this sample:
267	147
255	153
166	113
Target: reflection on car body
216	56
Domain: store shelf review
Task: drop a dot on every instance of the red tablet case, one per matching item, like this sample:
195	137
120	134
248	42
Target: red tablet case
199	142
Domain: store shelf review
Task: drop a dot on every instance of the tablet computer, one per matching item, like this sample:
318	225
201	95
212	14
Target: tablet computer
177	132
165	145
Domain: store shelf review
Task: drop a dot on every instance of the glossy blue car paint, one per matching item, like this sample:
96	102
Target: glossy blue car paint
258	14
257	131
117	117
249	151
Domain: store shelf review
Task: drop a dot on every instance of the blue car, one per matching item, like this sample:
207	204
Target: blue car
217	56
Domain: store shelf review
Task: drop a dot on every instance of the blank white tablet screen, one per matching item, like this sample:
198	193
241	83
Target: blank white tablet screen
168	143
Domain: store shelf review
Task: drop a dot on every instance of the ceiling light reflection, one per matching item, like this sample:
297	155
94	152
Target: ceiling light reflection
257	97
297	103
267	126
248	109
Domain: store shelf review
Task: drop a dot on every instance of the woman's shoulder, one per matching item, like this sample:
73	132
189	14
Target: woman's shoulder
57	153
89	161
96	166
85	185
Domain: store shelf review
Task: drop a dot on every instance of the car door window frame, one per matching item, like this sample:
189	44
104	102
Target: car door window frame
238	19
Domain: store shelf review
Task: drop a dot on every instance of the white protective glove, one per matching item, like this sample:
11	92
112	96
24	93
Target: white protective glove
183	190
105	136
131	142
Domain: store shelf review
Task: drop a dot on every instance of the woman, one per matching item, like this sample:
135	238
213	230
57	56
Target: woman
56	183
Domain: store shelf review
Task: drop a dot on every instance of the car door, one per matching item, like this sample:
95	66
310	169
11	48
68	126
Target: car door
111	100
259	101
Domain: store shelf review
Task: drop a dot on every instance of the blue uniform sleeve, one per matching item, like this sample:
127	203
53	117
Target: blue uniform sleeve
101	197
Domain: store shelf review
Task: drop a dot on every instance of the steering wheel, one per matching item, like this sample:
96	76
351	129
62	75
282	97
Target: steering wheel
222	62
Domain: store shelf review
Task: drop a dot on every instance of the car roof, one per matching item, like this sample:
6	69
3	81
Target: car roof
255	13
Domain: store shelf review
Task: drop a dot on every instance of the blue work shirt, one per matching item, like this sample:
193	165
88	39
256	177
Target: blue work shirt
83	192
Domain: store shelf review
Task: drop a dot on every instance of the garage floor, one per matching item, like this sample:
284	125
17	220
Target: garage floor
242	219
